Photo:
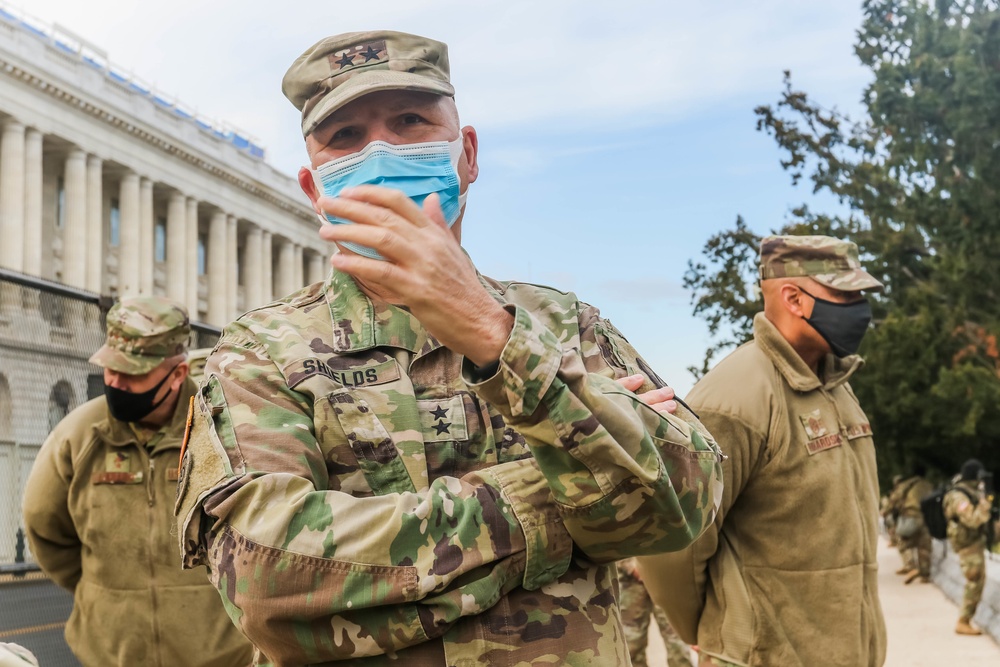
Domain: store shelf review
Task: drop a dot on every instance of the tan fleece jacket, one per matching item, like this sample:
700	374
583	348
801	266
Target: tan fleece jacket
98	509
787	573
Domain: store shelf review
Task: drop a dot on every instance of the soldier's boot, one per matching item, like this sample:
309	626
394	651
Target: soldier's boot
911	576
964	627
903	570
924	579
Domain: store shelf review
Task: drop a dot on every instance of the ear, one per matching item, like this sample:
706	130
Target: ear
795	301
471	148
308	185
180	374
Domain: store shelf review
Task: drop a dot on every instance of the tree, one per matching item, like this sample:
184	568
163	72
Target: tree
918	177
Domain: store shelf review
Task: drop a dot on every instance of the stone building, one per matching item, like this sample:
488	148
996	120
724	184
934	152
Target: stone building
111	188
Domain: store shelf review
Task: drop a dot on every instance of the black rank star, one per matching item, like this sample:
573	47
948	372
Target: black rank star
345	61
371	54
439	412
442	427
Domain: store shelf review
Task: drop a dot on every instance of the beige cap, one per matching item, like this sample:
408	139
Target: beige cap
827	260
342	68
142	333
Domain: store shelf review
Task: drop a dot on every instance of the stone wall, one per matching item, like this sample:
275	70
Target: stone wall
948	576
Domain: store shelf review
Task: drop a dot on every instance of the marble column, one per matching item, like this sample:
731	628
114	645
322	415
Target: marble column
147	261
33	202
177	227
95	223
232	266
12	196
317	267
266	268
191	252
300	273
253	288
285	282
218	286
129	247
75	245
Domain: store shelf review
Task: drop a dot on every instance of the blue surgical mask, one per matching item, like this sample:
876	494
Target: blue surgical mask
417	170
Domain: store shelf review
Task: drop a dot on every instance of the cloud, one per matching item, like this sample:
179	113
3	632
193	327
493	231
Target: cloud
561	65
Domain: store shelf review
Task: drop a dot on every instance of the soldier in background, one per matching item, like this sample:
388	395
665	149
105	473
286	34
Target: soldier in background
787	574
914	540
359	477
889	520
967	508
98	506
637	607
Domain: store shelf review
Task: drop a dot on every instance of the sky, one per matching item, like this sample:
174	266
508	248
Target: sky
615	137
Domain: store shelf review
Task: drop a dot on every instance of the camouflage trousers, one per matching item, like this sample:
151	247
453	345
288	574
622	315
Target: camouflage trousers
636	607
916	551
973	562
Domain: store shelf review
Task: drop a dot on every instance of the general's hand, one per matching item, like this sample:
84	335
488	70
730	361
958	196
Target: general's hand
425	268
661	400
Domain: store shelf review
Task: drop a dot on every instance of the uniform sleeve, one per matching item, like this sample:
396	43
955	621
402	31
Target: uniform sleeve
294	559
971	515
677	581
55	544
628	480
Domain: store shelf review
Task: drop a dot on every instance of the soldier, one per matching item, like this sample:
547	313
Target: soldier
914	540
889	518
99	499
637	607
359	478
967	509
787	574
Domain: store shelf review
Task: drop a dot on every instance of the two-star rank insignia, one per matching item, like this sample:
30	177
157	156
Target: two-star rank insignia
360	54
443	419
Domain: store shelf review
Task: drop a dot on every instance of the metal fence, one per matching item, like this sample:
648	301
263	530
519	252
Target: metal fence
47	333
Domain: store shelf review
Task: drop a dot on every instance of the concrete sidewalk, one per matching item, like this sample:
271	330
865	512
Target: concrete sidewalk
919	619
921	622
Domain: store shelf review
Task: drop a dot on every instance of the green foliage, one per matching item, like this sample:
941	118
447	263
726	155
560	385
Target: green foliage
919	180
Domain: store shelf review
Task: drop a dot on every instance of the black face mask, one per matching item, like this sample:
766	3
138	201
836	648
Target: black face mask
842	325
129	406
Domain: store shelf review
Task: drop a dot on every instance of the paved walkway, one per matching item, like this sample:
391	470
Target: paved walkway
920	622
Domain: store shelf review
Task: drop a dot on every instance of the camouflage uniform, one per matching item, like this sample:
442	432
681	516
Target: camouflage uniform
358	494
966	521
915	542
637	606
98	516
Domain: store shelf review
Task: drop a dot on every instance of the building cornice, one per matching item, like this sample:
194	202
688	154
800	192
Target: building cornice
151	137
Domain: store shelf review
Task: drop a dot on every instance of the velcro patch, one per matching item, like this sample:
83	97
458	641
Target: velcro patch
366	53
812	422
353	376
117	461
858	431
824	443
116	478
443	419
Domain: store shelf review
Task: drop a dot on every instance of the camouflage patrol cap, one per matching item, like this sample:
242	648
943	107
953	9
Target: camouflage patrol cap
827	260
142	333
342	68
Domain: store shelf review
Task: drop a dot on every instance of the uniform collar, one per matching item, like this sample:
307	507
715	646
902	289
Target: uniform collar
834	371
360	324
118	433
